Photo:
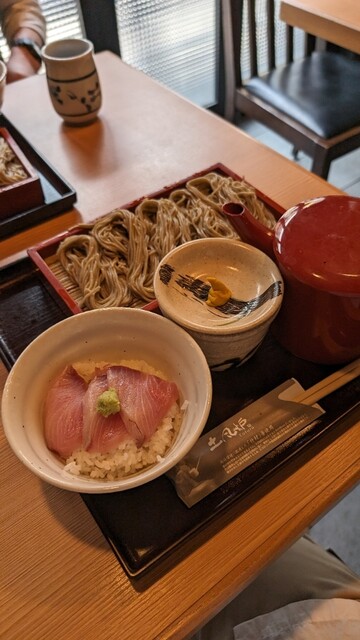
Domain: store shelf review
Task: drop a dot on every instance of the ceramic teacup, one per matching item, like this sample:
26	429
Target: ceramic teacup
2	81
73	80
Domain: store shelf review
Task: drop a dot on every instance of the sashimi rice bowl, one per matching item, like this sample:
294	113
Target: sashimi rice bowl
107	400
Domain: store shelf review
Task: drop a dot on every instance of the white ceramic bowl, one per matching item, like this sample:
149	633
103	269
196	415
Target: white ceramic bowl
228	334
3	72
103	335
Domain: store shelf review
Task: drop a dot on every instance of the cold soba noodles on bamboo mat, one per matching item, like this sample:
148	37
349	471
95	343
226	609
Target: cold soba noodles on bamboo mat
112	263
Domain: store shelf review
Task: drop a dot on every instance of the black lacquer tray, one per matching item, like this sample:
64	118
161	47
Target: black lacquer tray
59	196
144	524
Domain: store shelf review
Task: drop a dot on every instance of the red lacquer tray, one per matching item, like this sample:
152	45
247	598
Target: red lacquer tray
43	195
27	192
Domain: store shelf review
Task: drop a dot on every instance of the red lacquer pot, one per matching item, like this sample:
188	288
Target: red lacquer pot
316	245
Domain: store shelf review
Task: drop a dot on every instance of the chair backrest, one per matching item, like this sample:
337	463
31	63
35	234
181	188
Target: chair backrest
261	41
310	100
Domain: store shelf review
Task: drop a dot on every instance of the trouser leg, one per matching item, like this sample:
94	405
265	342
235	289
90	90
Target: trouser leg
305	571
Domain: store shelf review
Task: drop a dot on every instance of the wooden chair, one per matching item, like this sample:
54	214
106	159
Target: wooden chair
313	102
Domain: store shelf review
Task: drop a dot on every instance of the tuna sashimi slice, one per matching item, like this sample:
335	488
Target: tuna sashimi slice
101	434
63	413
145	399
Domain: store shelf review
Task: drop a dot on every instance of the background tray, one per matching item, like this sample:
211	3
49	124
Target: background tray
58	194
144	524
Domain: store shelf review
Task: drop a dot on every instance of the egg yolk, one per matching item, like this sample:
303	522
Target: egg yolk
218	293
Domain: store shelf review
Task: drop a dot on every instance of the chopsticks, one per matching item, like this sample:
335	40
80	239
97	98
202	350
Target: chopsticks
330	384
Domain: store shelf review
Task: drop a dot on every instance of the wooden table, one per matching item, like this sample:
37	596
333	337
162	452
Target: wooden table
337	21
59	578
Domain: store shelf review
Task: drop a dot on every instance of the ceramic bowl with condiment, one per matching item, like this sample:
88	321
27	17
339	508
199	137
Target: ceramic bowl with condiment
224	292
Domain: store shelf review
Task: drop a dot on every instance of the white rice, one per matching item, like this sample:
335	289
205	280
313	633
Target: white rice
127	459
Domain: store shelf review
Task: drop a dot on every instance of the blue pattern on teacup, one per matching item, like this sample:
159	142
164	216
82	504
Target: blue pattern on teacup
76	98
89	98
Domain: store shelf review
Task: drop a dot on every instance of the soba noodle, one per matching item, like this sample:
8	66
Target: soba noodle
11	170
114	262
204	220
216	189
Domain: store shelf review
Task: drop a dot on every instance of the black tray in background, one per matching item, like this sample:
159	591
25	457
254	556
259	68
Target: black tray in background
59	196
144	524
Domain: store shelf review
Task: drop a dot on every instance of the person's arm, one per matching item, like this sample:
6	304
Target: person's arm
23	24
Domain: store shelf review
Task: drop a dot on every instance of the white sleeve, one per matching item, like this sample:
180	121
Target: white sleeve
328	619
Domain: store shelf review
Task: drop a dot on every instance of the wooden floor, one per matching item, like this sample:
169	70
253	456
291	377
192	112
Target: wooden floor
340	528
344	172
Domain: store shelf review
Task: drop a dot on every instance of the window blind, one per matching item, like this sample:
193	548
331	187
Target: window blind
173	41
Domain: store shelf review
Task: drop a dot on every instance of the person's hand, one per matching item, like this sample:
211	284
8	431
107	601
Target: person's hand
21	64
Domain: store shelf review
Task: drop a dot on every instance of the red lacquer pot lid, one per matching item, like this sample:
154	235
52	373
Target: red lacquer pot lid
318	242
